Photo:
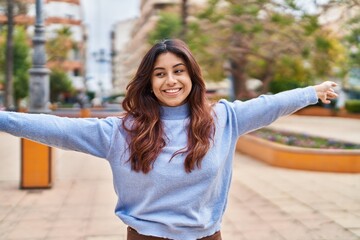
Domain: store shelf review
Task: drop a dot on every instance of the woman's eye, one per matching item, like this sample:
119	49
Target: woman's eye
160	74
179	71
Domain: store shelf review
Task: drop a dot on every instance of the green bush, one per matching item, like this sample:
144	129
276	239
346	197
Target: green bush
277	86
353	106
60	82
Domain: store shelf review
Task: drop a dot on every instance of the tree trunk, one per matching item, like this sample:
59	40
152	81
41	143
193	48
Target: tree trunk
239	79
184	15
9	59
269	76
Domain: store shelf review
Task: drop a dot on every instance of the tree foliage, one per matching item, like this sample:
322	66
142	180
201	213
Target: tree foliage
20	7
263	39
15	87
346	15
60	83
21	64
268	40
58	47
57	50
352	28
168	26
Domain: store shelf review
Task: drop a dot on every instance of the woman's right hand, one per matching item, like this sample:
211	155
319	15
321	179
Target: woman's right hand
325	91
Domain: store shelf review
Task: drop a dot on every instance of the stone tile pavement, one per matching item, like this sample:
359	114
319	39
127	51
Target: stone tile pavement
265	202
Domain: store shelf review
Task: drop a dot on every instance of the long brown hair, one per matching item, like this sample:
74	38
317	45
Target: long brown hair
146	133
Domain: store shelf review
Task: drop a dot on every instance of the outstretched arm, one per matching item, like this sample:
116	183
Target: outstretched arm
92	136
264	110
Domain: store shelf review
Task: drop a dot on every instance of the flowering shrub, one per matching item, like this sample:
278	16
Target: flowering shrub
302	140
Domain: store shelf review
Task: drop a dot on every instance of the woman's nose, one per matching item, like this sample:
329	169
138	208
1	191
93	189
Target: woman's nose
171	79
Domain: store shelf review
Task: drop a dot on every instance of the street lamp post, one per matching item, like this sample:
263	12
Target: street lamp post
39	74
36	158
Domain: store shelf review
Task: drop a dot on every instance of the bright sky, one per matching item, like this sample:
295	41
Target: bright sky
99	17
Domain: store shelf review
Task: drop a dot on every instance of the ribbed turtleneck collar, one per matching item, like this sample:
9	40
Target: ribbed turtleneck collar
175	113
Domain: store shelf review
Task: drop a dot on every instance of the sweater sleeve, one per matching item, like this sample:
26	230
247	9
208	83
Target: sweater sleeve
262	111
88	135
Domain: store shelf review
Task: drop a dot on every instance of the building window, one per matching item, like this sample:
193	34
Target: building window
2	10
76	72
75	54
69	16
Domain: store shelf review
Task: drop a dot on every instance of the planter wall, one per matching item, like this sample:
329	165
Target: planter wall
325	160
316	111
326	112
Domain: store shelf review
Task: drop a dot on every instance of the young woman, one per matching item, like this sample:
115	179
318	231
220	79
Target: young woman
171	153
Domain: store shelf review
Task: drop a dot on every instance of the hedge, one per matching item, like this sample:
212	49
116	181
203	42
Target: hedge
352	105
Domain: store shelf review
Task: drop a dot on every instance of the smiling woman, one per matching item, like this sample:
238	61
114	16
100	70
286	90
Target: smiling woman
170	76
171	152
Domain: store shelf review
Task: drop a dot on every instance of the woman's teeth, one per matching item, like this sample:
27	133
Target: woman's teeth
172	90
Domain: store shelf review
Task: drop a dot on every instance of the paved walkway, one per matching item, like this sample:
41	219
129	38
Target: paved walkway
265	202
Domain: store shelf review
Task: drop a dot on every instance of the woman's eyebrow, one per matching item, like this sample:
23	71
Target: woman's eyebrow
162	68
158	68
176	65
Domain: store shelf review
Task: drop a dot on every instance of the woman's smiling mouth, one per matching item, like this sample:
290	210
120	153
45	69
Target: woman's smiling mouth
172	91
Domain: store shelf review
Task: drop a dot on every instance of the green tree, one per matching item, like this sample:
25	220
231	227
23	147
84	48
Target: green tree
347	19
58	48
168	26
352	38
263	39
13	8
268	40
21	63
59	83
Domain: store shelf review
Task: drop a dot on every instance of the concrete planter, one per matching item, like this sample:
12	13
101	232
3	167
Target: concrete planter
326	112
325	160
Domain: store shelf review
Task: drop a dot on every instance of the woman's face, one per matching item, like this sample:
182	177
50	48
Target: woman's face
170	80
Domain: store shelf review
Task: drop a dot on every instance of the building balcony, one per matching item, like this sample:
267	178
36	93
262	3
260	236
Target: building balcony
77	2
67	65
29	20
20	19
60	20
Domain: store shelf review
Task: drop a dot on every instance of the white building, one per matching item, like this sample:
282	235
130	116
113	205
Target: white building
121	36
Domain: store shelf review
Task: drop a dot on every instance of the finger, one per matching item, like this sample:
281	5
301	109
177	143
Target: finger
331	83
332	94
326	101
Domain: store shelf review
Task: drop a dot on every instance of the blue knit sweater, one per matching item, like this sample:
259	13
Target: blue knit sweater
166	202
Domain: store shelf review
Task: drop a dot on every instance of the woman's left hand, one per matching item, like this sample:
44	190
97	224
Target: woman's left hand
325	91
